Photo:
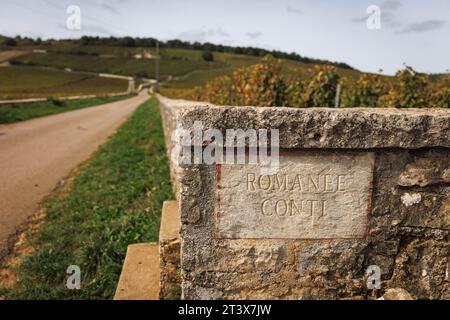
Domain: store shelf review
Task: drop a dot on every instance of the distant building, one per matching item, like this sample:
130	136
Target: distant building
145	55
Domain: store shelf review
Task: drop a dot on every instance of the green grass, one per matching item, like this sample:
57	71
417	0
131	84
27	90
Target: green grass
115	200
64	47
10	113
118	65
27	82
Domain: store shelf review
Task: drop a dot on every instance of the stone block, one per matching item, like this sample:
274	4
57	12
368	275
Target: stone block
169	252
139	279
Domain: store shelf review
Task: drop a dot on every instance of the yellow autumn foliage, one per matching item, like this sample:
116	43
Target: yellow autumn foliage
262	85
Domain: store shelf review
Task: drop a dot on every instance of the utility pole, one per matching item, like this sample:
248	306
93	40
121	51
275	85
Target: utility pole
157	65
337	101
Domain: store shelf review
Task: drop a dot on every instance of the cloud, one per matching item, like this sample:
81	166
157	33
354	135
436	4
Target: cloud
388	11
203	34
391	5
359	19
109	5
390	20
52	4
192	36
106	5
294	10
423	26
254	35
89	29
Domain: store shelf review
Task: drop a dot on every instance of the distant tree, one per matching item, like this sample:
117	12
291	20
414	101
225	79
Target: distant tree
128	42
208	56
10	42
175	43
197	46
238	50
207	46
85	40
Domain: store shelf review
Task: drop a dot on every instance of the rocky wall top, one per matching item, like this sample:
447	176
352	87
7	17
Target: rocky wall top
357	128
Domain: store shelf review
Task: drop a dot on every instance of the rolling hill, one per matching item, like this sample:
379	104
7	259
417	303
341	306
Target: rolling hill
180	69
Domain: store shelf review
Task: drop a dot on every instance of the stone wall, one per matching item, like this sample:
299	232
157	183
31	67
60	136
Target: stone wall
381	196
171	111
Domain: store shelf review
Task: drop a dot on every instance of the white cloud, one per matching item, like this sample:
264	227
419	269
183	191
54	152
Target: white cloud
203	34
254	35
423	26
294	10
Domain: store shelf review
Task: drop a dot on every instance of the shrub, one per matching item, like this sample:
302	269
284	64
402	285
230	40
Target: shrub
15	62
295	92
366	92
80	53
141	74
208	56
321	91
56	102
262	85
440	96
259	85
410	90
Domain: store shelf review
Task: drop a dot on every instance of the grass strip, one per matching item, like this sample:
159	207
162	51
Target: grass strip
10	113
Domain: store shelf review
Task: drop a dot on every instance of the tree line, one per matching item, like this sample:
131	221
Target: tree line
175	43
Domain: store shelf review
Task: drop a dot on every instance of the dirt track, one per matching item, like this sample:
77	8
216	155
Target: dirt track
36	154
6	55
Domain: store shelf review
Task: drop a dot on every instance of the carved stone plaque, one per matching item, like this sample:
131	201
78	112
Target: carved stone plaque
312	195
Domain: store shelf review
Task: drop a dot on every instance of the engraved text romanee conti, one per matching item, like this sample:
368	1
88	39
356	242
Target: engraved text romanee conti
307	189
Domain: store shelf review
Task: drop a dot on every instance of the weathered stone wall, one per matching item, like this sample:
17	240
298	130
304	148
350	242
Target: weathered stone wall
171	111
169	115
407	217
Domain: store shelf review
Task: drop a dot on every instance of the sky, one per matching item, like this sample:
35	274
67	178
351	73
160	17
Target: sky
411	32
